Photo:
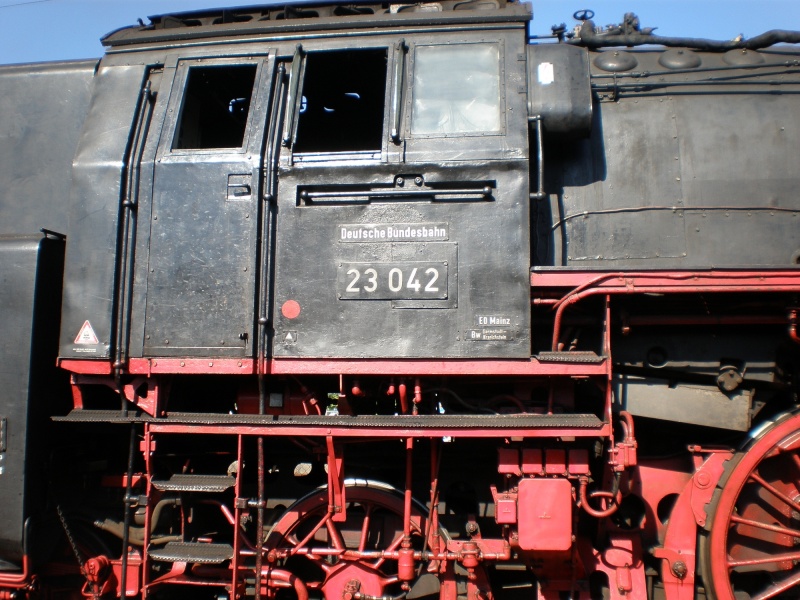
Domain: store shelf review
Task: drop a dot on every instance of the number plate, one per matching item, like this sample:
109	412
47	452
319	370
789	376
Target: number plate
392	281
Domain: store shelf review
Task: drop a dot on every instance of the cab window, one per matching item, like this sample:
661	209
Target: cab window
342	102
216	102
456	89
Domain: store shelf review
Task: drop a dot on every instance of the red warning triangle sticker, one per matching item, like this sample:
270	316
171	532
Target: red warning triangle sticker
86	335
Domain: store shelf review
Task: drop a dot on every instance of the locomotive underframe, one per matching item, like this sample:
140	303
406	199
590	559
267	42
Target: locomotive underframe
614	520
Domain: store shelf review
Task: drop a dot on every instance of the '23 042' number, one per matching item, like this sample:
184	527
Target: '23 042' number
392	281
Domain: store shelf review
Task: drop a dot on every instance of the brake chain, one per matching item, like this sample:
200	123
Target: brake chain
74	545
70	539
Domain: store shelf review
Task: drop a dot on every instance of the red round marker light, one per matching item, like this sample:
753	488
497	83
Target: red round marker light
290	309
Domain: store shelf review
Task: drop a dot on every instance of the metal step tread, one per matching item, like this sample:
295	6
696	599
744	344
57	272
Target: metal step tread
583	357
193	552
103	416
195	483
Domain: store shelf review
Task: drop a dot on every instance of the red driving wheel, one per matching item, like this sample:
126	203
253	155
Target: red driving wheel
752	551
374	522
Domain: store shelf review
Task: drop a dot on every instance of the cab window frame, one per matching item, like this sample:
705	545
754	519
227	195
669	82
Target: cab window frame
410	77
381	153
178	96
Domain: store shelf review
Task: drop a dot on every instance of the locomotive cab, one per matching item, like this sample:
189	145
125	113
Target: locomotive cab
393	175
384	301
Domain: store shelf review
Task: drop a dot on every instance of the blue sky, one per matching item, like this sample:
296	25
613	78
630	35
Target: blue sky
40	30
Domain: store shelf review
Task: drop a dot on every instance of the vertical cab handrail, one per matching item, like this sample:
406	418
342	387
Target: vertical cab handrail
536	122
397	89
291	101
266	265
131	167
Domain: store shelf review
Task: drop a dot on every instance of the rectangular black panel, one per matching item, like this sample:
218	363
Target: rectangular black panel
404	271
200	264
31	268
95	197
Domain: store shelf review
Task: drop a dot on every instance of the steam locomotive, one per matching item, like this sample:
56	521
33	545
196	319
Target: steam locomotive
381	301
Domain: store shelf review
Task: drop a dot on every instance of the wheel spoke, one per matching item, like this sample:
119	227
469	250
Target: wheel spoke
779	587
796	460
313	532
317	560
774	491
394	546
766	560
337	541
766	526
362	543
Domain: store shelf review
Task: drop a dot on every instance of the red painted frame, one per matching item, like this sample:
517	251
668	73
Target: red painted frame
557	289
569	286
399	432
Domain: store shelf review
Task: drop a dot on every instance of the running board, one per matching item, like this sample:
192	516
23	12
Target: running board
451	421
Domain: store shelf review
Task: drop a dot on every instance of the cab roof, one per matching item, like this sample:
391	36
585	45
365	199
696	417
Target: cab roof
304	16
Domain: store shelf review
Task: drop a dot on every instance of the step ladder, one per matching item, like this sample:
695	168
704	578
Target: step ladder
196	489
